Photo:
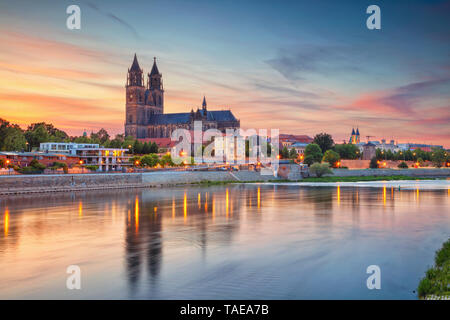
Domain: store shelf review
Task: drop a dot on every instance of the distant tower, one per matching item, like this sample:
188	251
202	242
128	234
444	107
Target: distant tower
354	138
155	88
204	104
135	92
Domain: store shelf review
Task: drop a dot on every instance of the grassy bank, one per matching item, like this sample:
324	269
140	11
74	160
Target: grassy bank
367	178
437	279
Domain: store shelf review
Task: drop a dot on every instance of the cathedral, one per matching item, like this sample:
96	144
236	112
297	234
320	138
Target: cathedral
145	117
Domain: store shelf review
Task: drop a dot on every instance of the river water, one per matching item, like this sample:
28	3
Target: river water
243	241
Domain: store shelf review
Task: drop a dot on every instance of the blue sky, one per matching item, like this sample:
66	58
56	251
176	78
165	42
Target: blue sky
301	66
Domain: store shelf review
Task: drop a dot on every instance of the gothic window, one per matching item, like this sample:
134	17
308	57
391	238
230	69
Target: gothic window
130	118
159	100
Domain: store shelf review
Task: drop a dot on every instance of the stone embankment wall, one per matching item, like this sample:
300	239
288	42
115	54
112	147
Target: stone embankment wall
82	182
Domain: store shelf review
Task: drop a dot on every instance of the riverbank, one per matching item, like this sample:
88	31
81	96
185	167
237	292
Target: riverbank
20	184
436	283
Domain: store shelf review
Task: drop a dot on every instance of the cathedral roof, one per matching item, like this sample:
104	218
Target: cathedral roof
357	131
135	65
185	117
353	131
155	70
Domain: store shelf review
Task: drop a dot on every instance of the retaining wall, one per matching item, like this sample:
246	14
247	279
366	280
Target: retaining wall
77	182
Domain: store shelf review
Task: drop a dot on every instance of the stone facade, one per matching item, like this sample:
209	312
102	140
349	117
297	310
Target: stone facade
145	117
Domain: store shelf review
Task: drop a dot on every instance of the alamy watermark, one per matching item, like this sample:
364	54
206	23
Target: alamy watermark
234	147
374	281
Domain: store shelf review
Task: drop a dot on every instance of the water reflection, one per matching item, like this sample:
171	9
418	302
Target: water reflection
217	241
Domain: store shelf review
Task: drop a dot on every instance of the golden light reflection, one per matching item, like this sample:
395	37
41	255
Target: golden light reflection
199	201
338	195
80	209
6	225
227	203
213	205
384	195
417	194
206	202
136	213
173	207
259	197
185	206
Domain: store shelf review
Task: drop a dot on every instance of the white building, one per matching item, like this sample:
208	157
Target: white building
91	154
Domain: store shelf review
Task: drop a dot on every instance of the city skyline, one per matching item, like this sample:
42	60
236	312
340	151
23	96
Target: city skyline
286	74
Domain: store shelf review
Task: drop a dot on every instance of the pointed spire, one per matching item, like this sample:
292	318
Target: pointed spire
204	102
135	65
155	70
357	131
353	131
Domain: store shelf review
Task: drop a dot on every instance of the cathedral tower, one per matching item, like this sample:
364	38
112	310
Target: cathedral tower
155	89
135	96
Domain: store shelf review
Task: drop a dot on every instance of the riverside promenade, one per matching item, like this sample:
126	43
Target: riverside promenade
20	184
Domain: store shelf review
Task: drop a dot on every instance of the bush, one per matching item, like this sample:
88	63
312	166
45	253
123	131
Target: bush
331	157
149	160
28	170
319	169
403	165
373	163
37	165
436	280
166	160
91	167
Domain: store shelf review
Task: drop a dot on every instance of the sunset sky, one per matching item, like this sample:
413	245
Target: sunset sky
303	67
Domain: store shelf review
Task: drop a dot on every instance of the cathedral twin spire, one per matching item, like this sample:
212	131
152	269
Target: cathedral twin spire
135	75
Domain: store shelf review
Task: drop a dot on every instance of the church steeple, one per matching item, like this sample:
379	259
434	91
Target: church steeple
135	74
204	103
154	77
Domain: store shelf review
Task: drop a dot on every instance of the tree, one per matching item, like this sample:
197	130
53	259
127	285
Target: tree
293	153
149	160
284	153
13	139
319	169
37	133
324	141
438	157
313	153
373	163
154	148
137	147
146	148
44	132
331	157
347	151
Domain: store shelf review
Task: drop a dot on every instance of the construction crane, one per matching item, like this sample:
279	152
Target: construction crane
368	138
